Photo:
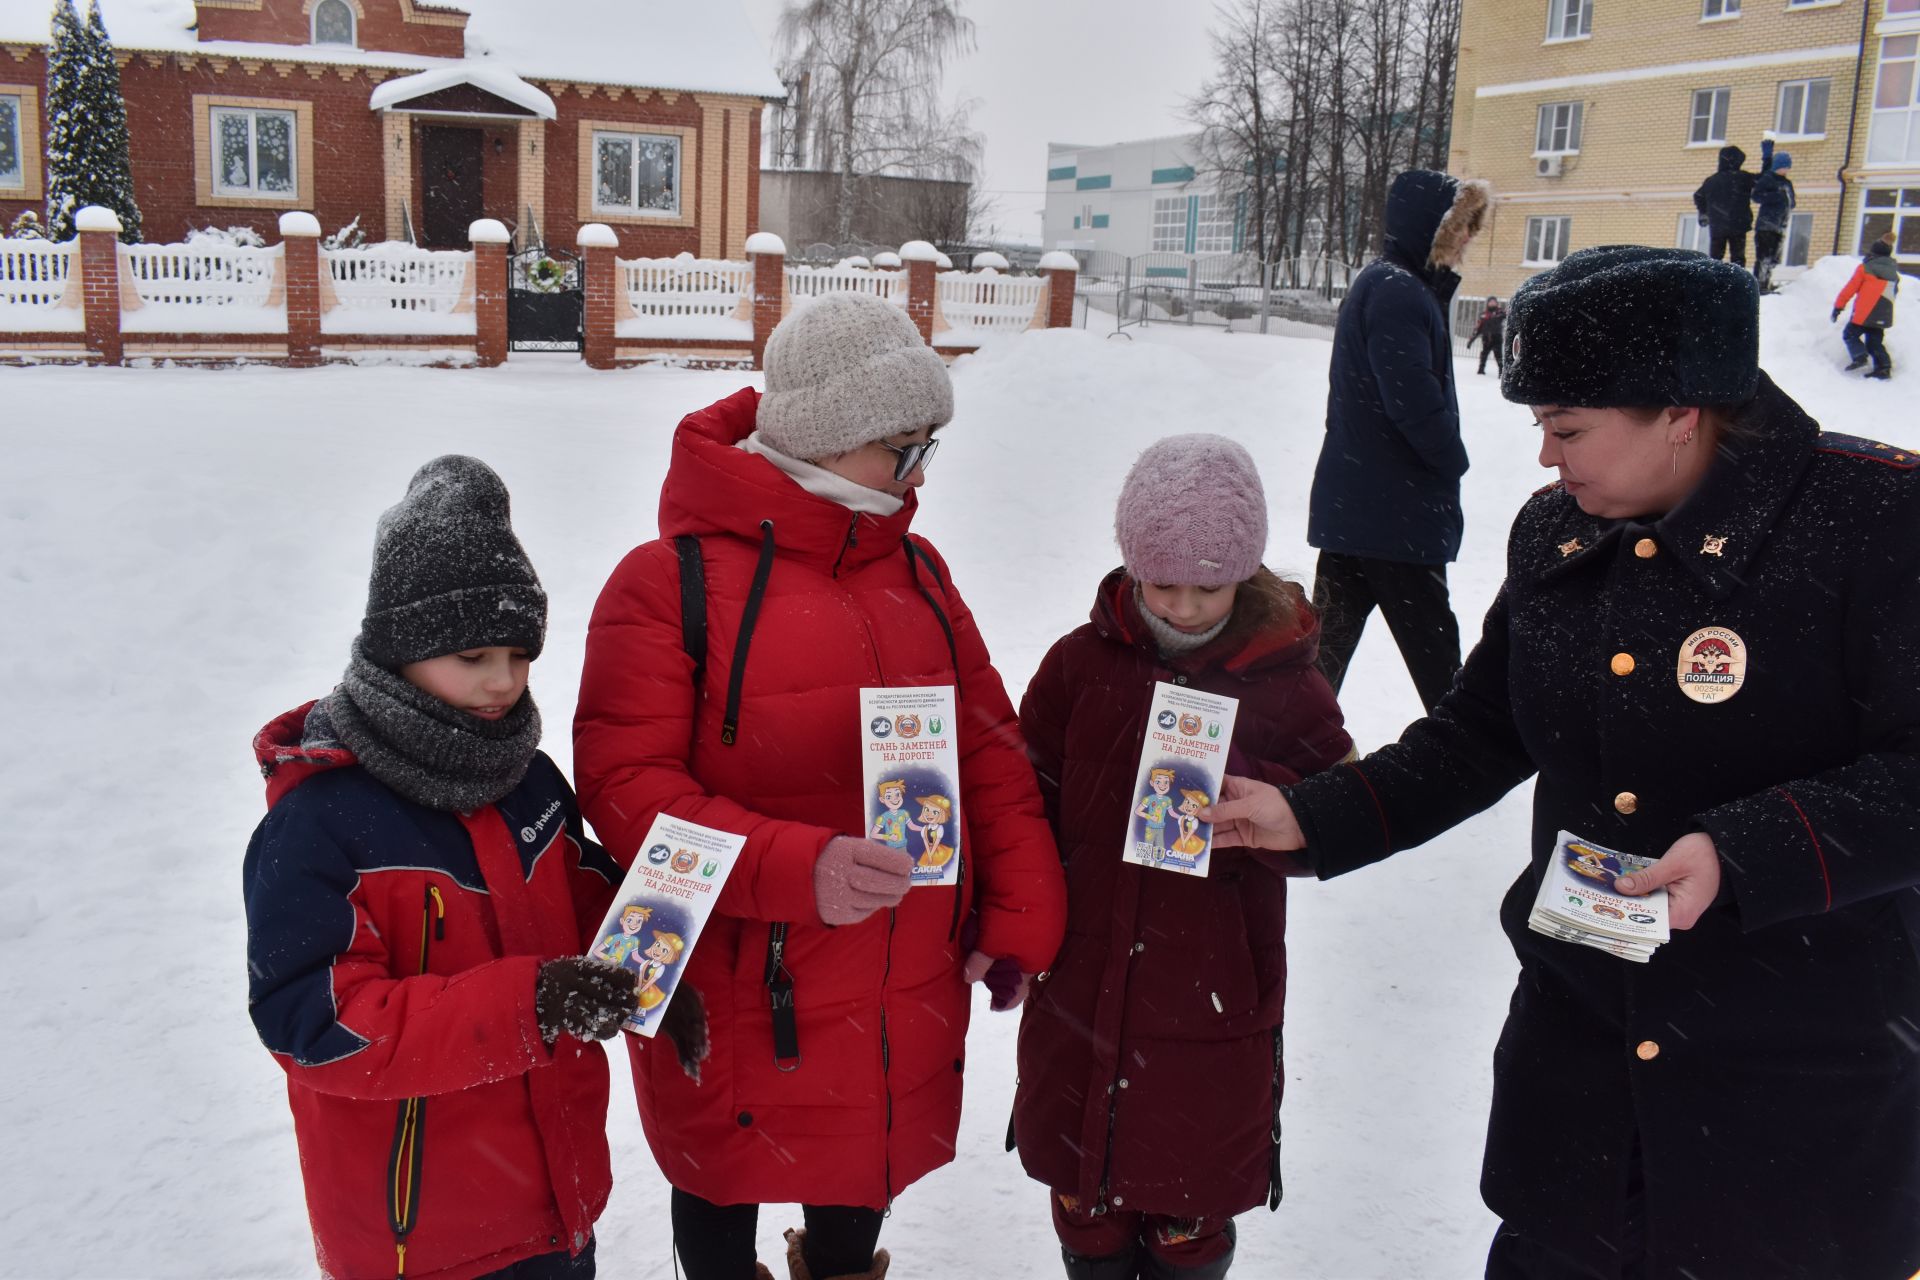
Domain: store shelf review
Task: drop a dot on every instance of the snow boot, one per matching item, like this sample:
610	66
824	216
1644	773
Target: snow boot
797	1262
1153	1268
1858	362
1882	373
1118	1266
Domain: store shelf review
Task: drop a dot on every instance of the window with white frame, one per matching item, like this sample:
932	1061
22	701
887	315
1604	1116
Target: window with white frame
636	173
1891	213
1902	6
1557	132
333	22
1569	19
1170	224
1709	122
253	152
1799	240
1213	224
1546	241
1802	108
13	169
1893	135
1712	9
1691	235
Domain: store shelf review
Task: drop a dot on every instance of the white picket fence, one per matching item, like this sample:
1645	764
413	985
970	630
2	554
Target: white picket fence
804	284
685	297
192	275
396	288
33	279
980	304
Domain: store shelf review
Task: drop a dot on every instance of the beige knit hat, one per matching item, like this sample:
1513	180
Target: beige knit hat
845	370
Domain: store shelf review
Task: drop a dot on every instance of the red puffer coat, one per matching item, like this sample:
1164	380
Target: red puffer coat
874	1102
1150	1056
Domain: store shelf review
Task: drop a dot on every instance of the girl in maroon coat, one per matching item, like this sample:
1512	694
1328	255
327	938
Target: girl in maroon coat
1150	1072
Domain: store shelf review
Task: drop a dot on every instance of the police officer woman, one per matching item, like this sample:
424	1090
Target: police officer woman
1748	1103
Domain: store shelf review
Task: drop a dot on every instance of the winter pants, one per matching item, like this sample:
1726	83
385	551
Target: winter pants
1516	1257
1492	349
1866	340
1731	245
549	1266
715	1241
1413	598
1173	1246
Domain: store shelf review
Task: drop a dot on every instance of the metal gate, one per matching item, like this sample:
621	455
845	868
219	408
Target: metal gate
546	300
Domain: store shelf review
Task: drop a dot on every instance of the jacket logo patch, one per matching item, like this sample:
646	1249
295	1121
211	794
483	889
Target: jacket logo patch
529	834
1712	665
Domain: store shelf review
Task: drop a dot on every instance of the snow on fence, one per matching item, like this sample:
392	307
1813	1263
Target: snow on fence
970	306
396	288
804	284
33	281
684	297
202	288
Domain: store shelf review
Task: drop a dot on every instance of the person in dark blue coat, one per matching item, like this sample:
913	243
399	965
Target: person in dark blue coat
1706	652
1773	193
1385	510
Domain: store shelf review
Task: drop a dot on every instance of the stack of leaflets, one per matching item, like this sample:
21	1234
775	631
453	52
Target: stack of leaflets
662	906
1182	762
1577	901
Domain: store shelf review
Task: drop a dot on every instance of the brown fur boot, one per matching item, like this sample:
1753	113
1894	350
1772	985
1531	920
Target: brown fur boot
797	1264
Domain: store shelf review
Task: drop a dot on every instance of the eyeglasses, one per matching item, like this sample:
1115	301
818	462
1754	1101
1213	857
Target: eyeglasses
911	456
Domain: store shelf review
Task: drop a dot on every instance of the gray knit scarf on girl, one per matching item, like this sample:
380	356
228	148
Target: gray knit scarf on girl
1172	642
430	752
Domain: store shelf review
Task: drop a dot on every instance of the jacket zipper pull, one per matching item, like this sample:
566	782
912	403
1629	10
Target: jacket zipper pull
439	914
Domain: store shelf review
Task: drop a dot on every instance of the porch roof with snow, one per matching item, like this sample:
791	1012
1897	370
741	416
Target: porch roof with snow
499	92
693	46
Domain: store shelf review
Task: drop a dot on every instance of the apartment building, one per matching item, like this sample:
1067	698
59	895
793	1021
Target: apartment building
1595	120
1137	197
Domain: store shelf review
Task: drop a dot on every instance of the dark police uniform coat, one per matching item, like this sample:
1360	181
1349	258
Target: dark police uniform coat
1766	1064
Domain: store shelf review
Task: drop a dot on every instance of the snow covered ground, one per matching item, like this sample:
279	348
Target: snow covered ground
184	554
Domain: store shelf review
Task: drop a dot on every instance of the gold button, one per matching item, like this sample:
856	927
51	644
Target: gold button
1647	1051
1645	548
1626	802
1623	664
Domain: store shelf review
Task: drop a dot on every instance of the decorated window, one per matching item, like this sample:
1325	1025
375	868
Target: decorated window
1213	224
1170	224
1569	19
333	22
1557	132
253	152
636	173
1546	240
1709	123
1893	137
13	171
1802	109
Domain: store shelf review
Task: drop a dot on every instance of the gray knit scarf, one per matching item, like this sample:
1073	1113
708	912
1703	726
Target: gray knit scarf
430	752
1171	642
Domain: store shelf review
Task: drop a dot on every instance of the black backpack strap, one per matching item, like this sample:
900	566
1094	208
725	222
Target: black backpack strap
693	606
737	678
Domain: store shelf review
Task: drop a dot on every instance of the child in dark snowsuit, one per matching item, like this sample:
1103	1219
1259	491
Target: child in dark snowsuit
1724	202
1873	286
1150	1053
417	897
1773	192
1489	333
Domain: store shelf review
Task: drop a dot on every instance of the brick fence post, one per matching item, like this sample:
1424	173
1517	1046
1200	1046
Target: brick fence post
768	253
598	246
921	259
1063	270
489	238
99	231
300	245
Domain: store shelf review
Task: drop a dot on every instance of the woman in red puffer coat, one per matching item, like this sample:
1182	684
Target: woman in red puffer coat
836	998
1150	1068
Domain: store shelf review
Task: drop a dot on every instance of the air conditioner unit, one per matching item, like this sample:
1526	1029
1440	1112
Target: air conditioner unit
1549	166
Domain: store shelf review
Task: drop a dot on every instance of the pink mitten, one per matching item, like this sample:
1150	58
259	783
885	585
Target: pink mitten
855	878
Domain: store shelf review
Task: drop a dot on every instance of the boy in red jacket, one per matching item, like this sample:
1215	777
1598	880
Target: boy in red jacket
1165	979
417	897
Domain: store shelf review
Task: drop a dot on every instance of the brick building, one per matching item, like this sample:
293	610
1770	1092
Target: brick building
408	115
1595	120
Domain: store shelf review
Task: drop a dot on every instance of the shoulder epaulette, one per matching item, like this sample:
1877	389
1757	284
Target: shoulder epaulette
1871	450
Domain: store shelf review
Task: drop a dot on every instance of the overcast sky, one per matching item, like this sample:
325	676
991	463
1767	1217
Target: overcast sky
1064	71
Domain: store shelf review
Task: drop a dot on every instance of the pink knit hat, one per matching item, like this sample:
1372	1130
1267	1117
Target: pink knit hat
1192	513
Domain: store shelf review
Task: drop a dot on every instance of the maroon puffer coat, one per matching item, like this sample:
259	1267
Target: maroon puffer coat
1150	1055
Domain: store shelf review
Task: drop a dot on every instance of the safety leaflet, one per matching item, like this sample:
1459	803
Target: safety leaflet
1181	765
910	767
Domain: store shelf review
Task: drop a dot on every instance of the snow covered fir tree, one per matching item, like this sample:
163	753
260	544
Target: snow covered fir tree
88	161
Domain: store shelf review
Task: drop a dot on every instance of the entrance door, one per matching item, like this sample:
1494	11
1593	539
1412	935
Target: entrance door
454	193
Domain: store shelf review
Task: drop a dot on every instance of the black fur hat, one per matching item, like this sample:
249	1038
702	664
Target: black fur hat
1624	325
448	573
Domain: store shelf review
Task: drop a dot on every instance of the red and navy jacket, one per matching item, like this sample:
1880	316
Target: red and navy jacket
392	951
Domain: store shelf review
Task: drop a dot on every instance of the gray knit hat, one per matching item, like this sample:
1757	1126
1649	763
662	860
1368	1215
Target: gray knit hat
448	574
845	370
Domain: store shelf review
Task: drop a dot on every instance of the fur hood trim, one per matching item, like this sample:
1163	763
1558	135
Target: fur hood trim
1465	218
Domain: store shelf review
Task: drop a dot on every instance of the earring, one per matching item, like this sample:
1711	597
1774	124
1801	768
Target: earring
1687	438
